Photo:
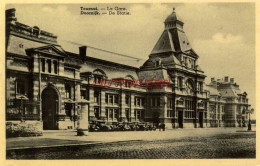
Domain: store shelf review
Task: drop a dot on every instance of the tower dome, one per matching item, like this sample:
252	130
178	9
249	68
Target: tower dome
173	20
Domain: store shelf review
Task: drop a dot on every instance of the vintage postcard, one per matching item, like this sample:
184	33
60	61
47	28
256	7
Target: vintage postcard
129	81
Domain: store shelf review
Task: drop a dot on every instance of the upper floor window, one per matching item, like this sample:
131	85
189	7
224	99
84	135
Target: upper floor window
43	64
111	99
155	101
67	91
127	100
180	82
49	65
20	87
96	97
139	101
55	64
169	102
84	94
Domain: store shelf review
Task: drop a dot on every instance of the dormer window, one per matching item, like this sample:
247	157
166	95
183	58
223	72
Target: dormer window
36	31
157	62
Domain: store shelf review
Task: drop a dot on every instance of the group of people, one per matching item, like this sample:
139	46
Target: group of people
161	126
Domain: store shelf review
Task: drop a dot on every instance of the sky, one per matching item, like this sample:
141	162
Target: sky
222	34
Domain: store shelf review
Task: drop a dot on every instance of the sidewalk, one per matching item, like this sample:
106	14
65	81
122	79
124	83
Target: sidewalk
59	138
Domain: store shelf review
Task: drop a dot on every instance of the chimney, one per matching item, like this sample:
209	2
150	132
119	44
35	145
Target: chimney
10	15
226	78
212	79
232	81
83	52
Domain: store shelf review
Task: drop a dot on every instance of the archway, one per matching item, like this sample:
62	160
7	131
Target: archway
50	104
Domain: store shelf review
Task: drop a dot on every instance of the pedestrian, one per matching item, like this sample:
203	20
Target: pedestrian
160	126
163	127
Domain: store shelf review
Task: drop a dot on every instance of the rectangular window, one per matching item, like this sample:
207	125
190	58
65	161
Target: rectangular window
106	98
43	65
20	87
179	82
96	97
67	91
49	65
127	100
158	101
55	63
110	114
128	114
116	99
96	112
110	99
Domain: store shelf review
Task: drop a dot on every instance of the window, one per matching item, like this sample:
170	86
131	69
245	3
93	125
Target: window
112	114
155	101
55	63
96	97
20	87
84	94
49	65
139	101
96	112
180	82
43	65
169	102
139	115
158	101
111	99
169	113
189	114
127	100
67	91
128	114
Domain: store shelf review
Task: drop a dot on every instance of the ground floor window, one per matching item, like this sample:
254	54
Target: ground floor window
112	114
128	114
189	114
97	112
169	113
139	115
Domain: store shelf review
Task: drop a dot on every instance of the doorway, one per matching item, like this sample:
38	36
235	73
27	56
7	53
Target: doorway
180	119
201	119
50	109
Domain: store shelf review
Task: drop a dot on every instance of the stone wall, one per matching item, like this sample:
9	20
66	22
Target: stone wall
23	129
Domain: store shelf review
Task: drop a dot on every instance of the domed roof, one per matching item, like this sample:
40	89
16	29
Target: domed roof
173	17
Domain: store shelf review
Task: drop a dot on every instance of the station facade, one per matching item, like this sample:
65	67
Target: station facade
47	80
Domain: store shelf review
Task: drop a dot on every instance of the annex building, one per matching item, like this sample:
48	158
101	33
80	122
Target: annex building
47	81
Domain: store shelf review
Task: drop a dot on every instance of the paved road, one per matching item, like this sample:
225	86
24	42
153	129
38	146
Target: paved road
221	145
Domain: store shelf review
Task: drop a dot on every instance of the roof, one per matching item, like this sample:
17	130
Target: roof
172	40
212	90
102	54
173	17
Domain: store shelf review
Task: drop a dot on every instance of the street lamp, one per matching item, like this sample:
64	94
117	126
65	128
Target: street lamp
22	98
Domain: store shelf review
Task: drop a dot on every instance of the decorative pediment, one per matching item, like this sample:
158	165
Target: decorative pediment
49	50
192	53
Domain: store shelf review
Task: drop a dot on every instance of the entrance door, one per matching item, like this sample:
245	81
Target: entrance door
49	109
201	119
180	119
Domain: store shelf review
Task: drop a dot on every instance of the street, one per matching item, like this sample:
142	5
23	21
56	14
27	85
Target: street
180	144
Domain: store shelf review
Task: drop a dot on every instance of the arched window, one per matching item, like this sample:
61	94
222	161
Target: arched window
190	86
98	75
129	81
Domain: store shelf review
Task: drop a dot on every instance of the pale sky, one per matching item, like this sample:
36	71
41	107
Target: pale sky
222	34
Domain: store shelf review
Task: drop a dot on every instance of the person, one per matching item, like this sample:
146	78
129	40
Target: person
160	126
163	127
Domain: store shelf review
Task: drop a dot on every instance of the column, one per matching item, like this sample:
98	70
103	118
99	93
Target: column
123	107
132	103
103	103
91	104
83	120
